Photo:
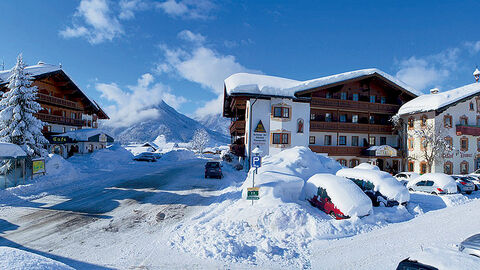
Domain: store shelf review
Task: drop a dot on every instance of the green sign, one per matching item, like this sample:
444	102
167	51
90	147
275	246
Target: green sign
253	193
38	166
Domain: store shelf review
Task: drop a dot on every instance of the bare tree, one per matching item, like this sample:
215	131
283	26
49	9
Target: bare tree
199	140
433	145
401	129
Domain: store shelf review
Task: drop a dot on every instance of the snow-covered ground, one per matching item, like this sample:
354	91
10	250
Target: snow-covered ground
112	212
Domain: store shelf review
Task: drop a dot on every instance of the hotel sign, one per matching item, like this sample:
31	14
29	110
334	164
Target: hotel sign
259	134
386	151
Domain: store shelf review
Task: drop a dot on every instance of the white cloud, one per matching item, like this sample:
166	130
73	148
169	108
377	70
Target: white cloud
129	7
94	21
193	9
187	35
138	103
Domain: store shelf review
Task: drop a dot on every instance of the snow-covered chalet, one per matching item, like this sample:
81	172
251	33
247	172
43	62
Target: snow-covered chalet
345	116
65	110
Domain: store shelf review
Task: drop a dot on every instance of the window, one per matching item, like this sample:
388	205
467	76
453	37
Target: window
343	95
328	140
354	140
429	183
411	166
372	99
72	115
312	140
371	119
449	141
383	100
447	121
63	113
64	129
343	118
312	116
422	143
355	97
49	110
423	120
411	122
448	167
342	140
300	126
342	162
281	112
464	167
328	117
411	143
328	95
49	128
423	167
463	120
472	108
464	144
355	118
281	138
371	141
354	162
383	140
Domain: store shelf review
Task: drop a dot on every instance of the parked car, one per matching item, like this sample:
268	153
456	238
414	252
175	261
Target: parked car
379	186
464	185
337	196
213	169
404	177
439	258
475	179
145	156
471	245
433	183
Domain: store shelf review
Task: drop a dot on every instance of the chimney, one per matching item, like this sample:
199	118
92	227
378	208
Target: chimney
435	90
476	74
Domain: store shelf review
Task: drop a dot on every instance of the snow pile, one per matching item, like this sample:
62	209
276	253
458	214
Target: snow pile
11	150
111	157
436	101
283	175
446	259
56	165
178	155
367	166
345	194
441	180
383	182
16	259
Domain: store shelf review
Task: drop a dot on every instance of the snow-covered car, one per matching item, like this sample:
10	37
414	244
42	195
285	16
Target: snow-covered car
433	183
475	180
436	258
337	196
404	177
378	185
145	156
471	245
464	185
213	169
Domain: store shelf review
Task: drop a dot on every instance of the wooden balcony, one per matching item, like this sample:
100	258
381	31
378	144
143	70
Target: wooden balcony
55	119
468	130
349	127
338	150
42	98
358	106
237	127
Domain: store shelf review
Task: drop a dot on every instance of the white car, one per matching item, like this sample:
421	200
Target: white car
433	183
404	177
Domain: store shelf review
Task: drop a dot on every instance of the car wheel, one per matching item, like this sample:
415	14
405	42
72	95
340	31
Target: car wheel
459	190
410	189
468	192
332	214
434	193
383	204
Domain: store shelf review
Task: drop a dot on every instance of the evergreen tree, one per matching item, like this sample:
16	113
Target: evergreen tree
18	124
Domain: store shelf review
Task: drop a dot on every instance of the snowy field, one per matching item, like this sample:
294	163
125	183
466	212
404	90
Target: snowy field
106	211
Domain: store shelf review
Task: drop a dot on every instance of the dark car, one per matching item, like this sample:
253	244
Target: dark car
145	156
408	264
213	169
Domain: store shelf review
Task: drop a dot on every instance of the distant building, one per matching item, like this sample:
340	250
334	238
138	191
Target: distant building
65	106
344	116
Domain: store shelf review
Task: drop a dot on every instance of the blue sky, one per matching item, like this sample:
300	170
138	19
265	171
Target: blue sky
131	54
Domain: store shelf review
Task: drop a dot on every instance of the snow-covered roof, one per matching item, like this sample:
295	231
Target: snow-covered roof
383	182
245	83
431	102
83	134
33	71
10	150
441	180
345	194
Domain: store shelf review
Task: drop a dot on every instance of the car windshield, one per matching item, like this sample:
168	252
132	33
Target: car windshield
213	165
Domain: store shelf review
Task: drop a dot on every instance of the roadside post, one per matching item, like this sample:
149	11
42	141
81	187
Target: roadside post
253	192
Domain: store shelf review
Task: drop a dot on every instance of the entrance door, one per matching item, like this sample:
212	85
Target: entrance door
395	166
380	164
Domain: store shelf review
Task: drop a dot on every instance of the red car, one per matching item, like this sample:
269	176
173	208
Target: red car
324	203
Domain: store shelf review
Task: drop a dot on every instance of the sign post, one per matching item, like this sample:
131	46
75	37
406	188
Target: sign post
38	166
253	192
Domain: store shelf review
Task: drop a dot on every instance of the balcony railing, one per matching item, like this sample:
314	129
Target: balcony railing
349	127
55	119
338	150
468	130
57	101
237	127
354	105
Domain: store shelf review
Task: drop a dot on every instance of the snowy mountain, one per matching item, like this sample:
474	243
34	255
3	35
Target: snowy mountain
175	126
216	123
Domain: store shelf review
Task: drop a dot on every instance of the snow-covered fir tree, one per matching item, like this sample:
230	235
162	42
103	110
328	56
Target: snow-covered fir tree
18	124
199	140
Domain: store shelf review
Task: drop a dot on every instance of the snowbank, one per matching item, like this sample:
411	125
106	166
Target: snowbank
16	259
178	155
11	150
56	165
441	180
446	259
111	157
283	175
345	194
383	182
367	166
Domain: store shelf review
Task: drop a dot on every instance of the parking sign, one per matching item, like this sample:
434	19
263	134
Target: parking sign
256	162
